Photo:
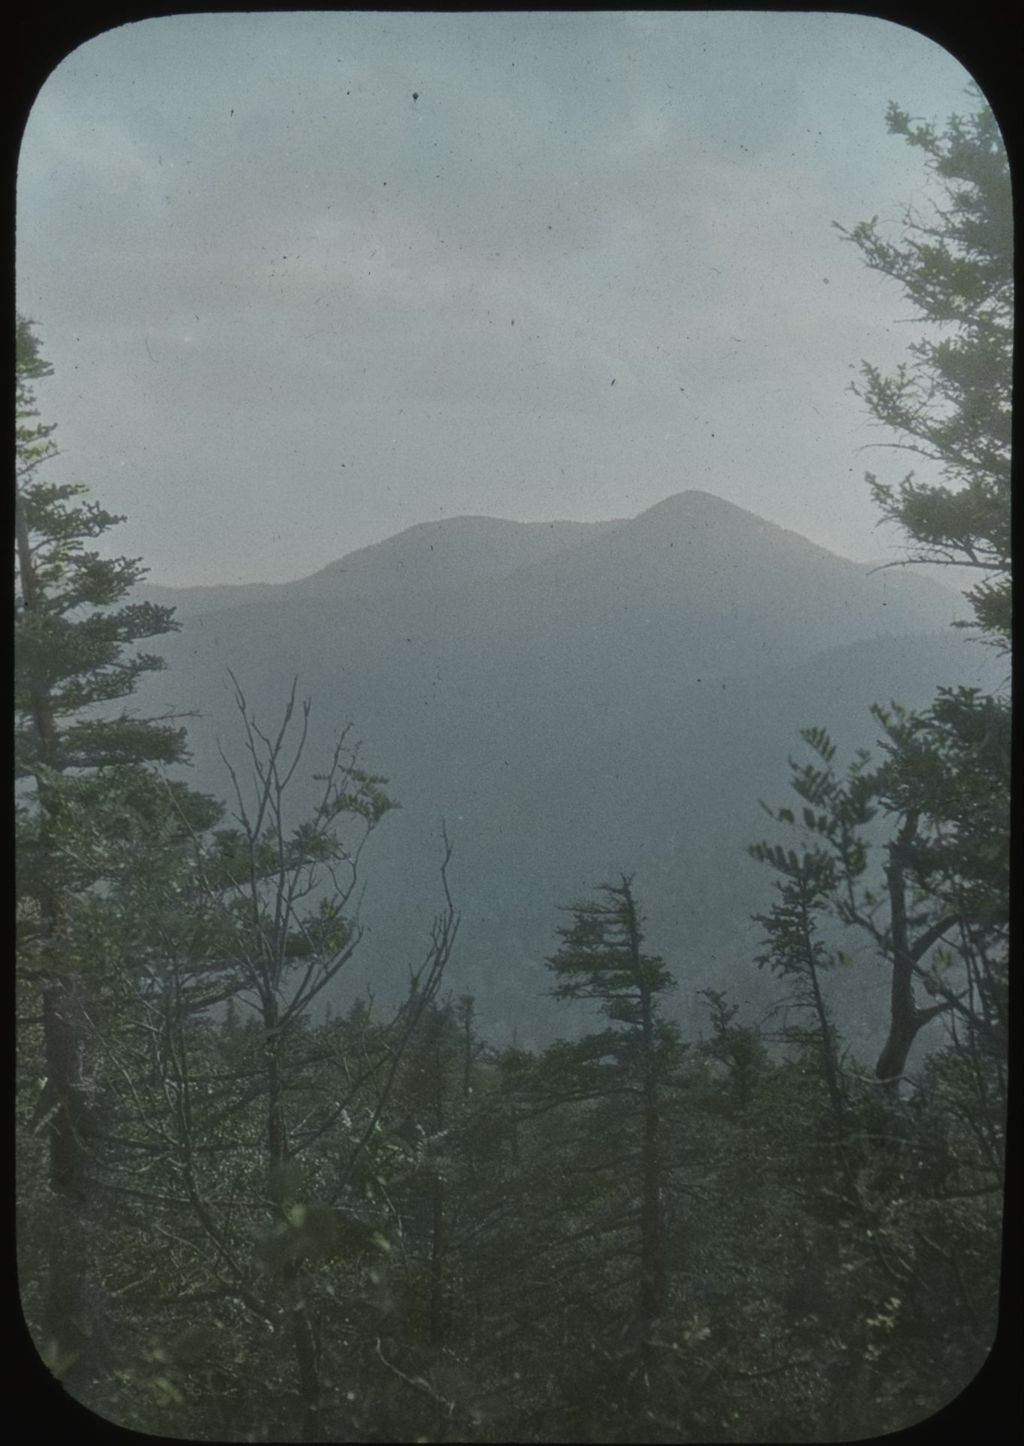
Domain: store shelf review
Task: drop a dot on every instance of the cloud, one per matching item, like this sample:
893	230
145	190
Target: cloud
254	257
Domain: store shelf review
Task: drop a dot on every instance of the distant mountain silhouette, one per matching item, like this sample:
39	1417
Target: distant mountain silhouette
455	552
576	700
428	557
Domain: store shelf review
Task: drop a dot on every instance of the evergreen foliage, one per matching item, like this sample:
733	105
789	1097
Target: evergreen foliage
911	850
75	637
243	1217
952	402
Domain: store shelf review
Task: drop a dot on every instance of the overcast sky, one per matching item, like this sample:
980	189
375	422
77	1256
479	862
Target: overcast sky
308	279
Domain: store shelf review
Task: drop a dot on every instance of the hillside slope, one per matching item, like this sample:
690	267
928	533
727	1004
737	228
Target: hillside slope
576	701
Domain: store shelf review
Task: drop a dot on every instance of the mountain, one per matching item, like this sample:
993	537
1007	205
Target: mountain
577	701
429	557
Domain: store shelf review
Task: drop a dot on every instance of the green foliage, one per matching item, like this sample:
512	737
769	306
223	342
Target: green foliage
951	764
294	1225
896	1305
952	403
72	644
933	899
935	904
96	825
315	1234
244	1165
75	653
600	958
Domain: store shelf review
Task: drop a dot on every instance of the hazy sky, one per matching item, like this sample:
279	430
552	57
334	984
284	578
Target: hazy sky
293	309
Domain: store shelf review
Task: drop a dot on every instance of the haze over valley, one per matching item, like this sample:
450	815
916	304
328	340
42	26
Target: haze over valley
575	701
512	727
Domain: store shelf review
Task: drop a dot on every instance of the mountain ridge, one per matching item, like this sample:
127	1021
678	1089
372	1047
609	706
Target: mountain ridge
589	700
437	554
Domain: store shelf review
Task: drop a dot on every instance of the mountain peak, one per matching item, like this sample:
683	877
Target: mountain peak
695	505
705	518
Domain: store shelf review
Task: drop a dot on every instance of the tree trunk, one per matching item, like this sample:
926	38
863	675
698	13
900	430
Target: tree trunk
65	1333
304	1349
300	1325
652	1262
65	1330
437	1254
837	1098
905	1019
65	1326
437	1326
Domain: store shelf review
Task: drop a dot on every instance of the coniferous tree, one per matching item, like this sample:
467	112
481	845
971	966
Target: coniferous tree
601	961
944	784
911	851
137	918
75	655
951	402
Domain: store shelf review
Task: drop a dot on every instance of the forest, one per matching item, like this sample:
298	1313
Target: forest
243	1214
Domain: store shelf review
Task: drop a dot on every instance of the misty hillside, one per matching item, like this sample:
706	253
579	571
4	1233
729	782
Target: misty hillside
430	557
577	701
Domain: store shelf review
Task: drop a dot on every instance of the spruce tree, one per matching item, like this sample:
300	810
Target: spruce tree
76	655
601	959
951	403
910	851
